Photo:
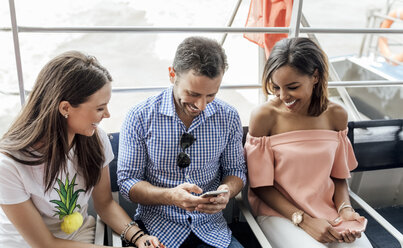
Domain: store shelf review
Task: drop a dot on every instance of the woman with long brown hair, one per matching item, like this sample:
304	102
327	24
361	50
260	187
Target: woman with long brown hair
54	158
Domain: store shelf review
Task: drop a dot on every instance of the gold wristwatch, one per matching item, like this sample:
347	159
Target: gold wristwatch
297	217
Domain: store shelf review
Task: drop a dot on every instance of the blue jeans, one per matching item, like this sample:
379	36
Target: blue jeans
234	244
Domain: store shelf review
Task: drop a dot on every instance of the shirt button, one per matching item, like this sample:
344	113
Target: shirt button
187	176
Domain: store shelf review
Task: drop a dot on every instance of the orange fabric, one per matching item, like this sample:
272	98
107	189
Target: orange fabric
299	164
268	13
383	41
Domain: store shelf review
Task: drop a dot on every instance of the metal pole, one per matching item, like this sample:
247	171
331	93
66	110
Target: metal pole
305	23
143	29
370	17
295	19
17	51
262	61
332	84
231	20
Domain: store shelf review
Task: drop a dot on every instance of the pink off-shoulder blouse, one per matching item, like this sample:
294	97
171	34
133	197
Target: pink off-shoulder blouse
299	164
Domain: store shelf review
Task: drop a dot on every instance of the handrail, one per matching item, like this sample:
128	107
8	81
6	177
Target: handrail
250	219
365	83
374	83
157	29
378	218
161	29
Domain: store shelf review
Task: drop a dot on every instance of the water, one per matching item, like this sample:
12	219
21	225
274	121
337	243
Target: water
139	59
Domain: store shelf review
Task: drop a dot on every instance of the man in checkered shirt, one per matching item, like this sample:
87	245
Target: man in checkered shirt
179	144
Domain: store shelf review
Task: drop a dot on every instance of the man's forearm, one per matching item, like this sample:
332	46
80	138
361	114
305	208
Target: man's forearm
147	194
234	183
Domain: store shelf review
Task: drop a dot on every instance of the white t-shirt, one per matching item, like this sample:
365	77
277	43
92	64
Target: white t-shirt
19	182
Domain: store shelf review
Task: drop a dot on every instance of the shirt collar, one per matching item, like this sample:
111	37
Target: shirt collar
167	105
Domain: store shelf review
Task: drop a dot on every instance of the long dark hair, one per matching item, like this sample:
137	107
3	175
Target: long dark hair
305	56
40	131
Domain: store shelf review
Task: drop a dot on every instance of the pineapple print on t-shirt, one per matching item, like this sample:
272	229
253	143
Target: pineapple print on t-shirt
67	204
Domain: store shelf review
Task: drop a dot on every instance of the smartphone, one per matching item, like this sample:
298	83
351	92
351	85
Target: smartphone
353	225
214	193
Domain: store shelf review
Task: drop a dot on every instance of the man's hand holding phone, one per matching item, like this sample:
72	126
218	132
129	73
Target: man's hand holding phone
214	193
218	200
182	196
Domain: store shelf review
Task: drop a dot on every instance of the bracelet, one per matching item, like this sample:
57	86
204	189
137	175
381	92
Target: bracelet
141	235
134	235
128	226
343	206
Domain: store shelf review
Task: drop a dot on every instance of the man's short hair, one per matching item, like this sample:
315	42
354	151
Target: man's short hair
204	56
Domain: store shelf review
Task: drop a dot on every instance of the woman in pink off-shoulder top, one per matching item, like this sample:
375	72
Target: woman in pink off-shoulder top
299	156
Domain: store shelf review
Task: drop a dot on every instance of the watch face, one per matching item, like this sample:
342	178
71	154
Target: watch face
297	217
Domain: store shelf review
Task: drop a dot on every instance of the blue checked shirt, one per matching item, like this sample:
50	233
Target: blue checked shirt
148	145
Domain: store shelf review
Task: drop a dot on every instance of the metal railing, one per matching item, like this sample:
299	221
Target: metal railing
374	19
366	83
145	29
333	84
293	31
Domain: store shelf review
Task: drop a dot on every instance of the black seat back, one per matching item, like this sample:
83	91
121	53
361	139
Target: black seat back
113	165
378	144
245	132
